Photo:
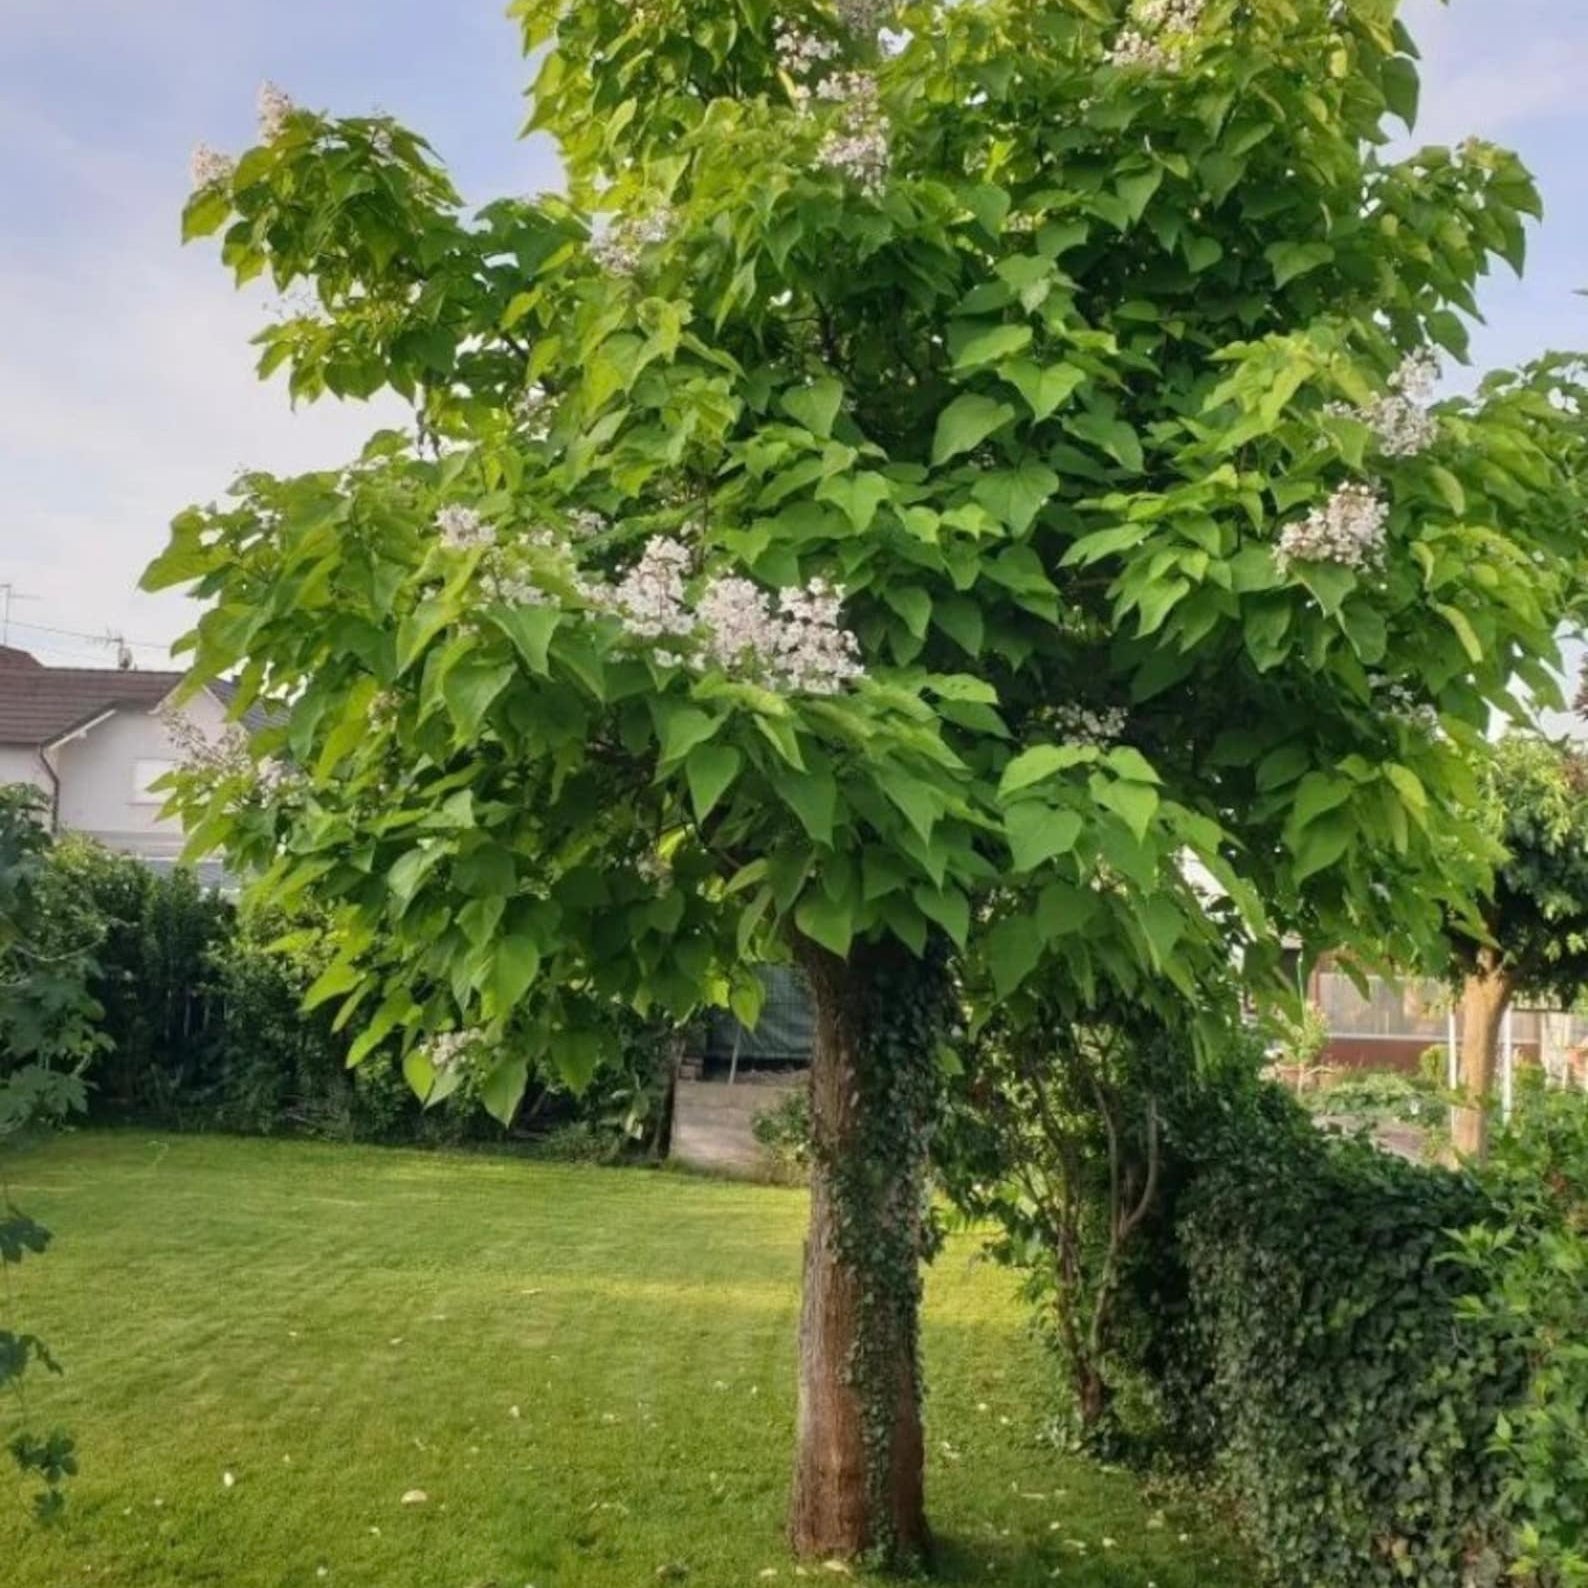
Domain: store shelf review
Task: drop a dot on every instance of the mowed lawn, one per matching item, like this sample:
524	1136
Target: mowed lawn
588	1372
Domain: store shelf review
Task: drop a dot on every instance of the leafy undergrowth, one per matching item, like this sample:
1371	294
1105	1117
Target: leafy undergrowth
586	1373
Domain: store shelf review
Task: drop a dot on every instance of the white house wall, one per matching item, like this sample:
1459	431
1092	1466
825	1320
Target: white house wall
22	766
99	779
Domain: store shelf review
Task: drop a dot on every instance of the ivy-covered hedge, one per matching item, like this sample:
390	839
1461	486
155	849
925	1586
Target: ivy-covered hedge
1322	1363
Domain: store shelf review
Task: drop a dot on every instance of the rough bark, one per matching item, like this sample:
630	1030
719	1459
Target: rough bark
1484	1000
858	1479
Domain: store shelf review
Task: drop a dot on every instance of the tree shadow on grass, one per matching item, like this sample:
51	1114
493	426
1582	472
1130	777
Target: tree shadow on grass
1013	1563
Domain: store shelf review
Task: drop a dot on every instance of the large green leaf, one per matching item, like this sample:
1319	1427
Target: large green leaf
470	689
966	423
829	922
815	406
1044	387
989	343
711	769
530	628
1016	496
1037	833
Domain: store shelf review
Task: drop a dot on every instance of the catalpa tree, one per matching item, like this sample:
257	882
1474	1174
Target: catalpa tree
935	472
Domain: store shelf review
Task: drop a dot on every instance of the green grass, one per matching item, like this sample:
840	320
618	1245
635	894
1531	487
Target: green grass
336	1326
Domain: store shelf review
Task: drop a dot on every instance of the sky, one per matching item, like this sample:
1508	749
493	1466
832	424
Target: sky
126	380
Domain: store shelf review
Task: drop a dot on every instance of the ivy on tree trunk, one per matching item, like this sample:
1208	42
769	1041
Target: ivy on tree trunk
858	1473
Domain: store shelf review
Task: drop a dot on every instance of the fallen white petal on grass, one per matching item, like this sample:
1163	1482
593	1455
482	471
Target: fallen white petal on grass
228	1479
415	1497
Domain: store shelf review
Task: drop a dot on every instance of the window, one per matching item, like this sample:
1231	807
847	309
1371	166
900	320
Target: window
143	774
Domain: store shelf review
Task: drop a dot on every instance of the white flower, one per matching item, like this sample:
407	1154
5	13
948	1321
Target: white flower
274	108
650	597
1348	529
533	407
857	147
1157	38
383	709
208	166
618	248
462	529
449	1051
1401	702
865	16
582	524
1401	420
796	643
800	646
799	52
1083	725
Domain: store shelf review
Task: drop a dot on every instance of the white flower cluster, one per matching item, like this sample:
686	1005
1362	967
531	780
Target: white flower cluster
650	598
208	166
1348	529
1401	420
274	108
857	148
865	16
383	710
503	565
799	645
618	248
1156	39
653	867
583	523
800	52
1400	701
534	409
796	643
462	529
1083	725
450	1050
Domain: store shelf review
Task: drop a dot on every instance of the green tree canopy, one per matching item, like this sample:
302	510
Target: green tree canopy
1533	941
935	471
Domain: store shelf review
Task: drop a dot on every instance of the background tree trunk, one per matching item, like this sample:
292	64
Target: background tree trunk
1484	1000
858	1479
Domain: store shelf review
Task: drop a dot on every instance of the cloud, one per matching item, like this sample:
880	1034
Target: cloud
127	387
1489	70
127	392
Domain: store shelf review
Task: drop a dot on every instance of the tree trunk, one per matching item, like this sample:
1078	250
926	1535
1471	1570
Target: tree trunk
1484	1000
858	1481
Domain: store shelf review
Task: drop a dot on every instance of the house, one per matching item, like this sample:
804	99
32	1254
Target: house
93	740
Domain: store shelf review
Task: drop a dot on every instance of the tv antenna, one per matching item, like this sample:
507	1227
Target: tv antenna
8	594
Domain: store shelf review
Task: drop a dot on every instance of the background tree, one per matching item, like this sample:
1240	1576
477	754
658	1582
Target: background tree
1081	349
1535	939
47	1037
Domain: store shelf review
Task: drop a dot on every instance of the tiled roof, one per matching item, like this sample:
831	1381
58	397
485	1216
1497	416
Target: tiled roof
39	705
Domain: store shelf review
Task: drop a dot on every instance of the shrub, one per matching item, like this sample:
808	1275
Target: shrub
1321	1366
1382	1399
783	1132
156	933
1374	1097
1529	1263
